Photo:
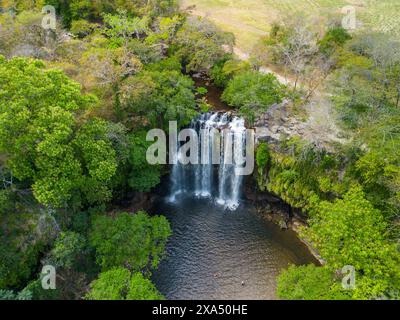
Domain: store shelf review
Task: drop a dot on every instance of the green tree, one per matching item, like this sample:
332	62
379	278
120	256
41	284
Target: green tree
119	284
20	250
253	89
143	176
10	295
309	283
96	152
263	159
73	10
43	140
120	28
142	289
351	231
252	92
111	285
82	28
200	44
224	70
15	268
263	156
68	249
154	98
334	39
7	203
136	242
35	133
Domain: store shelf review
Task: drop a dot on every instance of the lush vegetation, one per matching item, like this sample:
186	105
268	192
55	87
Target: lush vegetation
136	242
75	105
253	92
120	284
350	193
76	102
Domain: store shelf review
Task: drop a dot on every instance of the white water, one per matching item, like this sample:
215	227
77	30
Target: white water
208	180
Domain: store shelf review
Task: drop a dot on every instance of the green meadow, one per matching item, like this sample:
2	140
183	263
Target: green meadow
251	19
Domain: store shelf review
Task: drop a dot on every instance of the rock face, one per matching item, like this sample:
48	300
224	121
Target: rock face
136	201
276	214
281	214
252	193
284	216
268	205
276	123
317	125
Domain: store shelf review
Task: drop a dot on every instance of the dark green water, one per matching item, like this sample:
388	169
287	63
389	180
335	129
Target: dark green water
218	254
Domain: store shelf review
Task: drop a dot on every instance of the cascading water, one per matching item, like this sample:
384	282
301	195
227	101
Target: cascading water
221	136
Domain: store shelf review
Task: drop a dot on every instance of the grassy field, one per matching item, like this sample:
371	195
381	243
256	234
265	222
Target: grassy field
250	19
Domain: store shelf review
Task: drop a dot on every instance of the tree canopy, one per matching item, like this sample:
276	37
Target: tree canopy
120	284
136	242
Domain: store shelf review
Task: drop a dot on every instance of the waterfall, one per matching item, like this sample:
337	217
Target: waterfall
177	180
221	135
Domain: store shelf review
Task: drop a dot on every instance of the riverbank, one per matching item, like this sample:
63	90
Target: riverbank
273	209
215	253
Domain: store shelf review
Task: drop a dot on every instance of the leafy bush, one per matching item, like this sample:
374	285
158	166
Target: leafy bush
252	93
83	28
10	295
253	89
334	38
223	71
142	289
23	240
111	285
158	97
41	136
38	293
263	157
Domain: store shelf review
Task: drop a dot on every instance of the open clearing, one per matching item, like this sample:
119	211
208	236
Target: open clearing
251	19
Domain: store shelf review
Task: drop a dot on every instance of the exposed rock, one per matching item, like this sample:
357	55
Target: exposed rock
286	218
283	225
318	126
275	214
276	122
296	225
137	201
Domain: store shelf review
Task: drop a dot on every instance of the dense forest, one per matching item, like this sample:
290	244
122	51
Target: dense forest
76	102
